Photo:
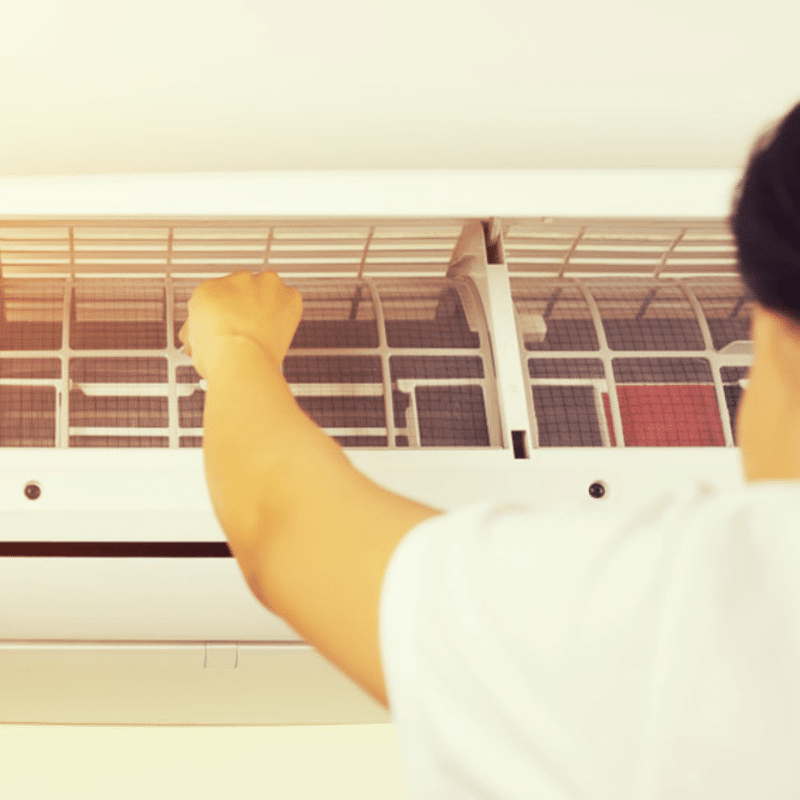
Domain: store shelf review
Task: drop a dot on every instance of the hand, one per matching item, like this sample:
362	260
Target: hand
260	307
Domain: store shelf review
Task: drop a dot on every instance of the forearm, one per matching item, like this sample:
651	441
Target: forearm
260	449
312	535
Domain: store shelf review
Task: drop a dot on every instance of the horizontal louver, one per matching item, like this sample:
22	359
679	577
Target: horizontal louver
563	247
180	247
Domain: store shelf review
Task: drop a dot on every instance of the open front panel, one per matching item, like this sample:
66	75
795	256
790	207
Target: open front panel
91	361
660	361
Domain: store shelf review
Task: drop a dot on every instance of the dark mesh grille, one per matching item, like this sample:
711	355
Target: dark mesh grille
30	368
662	370
332	369
728	307
118	370
30	335
453	416
27	416
733	393
436	367
361	441
566	416
553	317
647	318
345	412
117	412
433	318
668	401
190	410
118	441
566	368
118	315
31	313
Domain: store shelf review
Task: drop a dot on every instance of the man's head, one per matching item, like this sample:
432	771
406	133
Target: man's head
766	219
766	223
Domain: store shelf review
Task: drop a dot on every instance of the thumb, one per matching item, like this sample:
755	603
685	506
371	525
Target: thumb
183	335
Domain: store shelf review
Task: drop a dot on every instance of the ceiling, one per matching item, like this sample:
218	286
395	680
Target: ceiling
90	86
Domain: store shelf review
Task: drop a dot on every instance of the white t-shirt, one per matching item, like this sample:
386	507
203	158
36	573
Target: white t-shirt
643	654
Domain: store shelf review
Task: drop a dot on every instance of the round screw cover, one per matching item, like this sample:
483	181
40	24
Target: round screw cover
597	490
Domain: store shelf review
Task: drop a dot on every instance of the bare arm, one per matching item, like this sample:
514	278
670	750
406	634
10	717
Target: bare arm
311	534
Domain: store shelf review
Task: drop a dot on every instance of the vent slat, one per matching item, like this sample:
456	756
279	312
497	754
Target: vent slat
94	247
694	245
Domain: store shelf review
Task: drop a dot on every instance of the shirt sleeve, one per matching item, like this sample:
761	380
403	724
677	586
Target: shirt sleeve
513	640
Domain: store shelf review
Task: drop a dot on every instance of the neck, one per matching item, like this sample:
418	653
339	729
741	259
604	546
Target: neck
768	421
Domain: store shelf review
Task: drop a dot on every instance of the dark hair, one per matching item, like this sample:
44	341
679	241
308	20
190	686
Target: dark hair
765	219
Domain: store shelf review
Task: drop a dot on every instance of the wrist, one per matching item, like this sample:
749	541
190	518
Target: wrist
231	351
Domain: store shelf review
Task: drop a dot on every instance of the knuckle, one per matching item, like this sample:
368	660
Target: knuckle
227	282
269	278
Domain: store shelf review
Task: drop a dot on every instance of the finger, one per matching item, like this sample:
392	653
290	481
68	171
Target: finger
183	335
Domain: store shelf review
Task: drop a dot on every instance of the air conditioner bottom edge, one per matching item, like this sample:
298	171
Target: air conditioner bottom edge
177	684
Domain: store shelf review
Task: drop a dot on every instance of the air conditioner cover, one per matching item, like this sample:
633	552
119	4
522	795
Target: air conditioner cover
454	360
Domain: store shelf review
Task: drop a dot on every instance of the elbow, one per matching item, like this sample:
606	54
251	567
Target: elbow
246	550
253	578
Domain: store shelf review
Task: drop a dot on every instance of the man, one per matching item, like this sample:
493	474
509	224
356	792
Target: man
650	653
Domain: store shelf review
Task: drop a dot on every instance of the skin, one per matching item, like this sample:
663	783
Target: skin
312	535
768	421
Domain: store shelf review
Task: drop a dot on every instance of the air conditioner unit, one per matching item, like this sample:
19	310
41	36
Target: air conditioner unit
455	359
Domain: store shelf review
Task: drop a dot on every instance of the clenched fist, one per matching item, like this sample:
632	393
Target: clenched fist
260	307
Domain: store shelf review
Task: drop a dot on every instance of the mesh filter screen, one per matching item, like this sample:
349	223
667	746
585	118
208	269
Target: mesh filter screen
94	361
627	330
126	314
686	395
28	416
32	313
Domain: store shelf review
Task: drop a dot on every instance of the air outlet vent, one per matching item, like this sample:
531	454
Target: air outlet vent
645	247
322	247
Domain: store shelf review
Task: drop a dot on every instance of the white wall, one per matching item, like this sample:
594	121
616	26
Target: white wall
195	85
216	85
129	763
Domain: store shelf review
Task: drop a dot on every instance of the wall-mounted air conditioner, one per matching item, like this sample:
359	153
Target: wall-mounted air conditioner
589	362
